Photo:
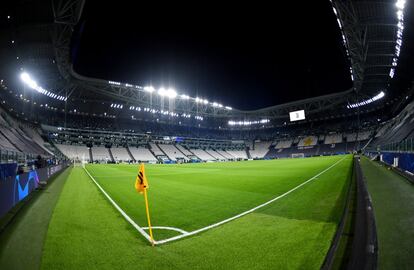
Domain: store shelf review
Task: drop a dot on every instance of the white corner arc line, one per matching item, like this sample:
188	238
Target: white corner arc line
248	211
166	228
136	226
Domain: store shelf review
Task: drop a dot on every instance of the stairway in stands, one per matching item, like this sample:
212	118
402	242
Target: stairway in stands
248	153
130	154
90	154
110	155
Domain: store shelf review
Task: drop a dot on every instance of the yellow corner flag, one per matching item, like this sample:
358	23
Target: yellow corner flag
141	182
141	186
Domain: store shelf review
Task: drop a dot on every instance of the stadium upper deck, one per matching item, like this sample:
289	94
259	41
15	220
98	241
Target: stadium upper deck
39	43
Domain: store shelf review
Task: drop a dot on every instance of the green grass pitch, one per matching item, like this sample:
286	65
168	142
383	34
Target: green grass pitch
87	232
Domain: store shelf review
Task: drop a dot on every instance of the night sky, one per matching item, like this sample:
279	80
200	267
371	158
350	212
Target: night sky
243	56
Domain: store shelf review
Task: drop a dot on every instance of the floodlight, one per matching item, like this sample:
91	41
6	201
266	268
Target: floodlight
171	93
162	92
149	89
400	4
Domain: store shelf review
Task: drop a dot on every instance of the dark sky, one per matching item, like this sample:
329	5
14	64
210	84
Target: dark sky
244	56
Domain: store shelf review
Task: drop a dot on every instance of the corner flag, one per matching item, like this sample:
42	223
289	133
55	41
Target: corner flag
141	186
141	182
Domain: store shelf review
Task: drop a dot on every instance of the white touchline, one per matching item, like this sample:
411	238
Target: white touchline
184	233
246	212
139	229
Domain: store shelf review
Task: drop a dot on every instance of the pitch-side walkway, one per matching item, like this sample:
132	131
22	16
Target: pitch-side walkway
21	242
393	202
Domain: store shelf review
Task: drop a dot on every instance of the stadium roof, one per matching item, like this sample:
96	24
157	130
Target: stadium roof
39	37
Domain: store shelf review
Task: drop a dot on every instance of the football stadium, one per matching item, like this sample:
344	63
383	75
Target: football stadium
206	136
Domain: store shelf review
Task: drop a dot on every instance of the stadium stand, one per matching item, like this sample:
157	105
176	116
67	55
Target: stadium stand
120	154
172	152
214	154
308	141
224	154
101	154
79	152
184	150
238	154
155	149
333	138
203	155
260	149
284	144
142	154
35	136
6	145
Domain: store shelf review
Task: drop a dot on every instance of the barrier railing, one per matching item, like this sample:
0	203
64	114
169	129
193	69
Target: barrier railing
362	242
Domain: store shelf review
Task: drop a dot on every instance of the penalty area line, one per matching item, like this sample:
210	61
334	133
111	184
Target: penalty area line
248	211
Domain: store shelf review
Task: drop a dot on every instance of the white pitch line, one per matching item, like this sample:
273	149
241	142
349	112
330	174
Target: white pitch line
246	212
136	226
166	228
184	233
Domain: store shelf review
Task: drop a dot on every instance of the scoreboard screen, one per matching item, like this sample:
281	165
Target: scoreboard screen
297	115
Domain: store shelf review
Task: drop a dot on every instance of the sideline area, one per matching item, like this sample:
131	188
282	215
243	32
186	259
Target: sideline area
21	243
393	202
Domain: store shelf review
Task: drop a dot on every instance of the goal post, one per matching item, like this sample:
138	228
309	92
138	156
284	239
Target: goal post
298	155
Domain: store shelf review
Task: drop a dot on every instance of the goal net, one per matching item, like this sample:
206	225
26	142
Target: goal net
298	155
79	162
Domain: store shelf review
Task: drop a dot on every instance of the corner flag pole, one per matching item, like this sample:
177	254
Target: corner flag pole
148	216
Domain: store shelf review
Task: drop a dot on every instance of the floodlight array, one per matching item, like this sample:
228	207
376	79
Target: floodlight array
117	106
32	84
172	94
165	112
133	108
248	123
380	95
400	5
344	40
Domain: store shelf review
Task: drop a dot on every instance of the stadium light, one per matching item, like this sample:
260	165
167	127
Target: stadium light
25	77
400	4
171	93
149	89
162	92
248	123
380	95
